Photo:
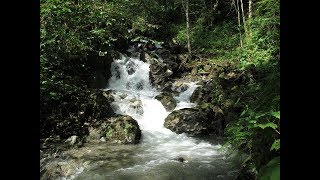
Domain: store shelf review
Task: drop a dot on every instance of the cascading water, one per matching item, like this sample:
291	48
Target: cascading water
156	155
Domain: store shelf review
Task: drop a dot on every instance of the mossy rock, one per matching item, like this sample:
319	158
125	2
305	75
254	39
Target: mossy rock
195	121
120	129
167	101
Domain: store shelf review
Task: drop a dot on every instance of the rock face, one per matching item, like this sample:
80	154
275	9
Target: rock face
101	64
205	92
99	105
167	101
119	129
159	72
165	62
195	121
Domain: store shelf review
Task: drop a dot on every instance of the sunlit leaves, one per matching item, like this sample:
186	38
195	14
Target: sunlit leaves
276	145
276	114
271	171
266	124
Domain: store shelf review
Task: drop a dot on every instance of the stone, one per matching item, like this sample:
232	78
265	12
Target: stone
120	129
195	121
167	101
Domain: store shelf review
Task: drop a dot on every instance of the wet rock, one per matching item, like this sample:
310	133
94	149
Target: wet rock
204	93
180	159
72	140
140	85
118	73
159	72
131	67
136	105
183	88
50	171
120	129
167	101
179	86
123	95
195	121
103	139
163	53
163	65
167	87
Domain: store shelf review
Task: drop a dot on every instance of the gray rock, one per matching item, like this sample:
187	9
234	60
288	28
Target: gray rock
167	101
103	139
195	121
72	140
120	129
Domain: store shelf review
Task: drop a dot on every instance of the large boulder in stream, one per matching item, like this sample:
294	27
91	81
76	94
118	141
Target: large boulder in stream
159	73
167	101
195	122
119	129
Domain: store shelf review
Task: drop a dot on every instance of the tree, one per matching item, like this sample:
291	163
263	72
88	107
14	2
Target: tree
236	6
186	7
250	17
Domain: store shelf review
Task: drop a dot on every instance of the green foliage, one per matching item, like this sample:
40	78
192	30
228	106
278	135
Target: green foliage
109	132
263	45
128	127
276	145
271	171
257	130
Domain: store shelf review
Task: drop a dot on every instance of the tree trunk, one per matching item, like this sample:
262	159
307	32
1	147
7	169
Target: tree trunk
188	30
243	18
250	17
236	6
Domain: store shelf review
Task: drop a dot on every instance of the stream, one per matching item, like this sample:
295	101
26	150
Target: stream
155	157
161	153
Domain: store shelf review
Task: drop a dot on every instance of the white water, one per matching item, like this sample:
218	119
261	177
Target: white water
154	157
162	144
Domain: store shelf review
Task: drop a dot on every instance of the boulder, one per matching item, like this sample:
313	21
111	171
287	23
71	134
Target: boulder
179	86
203	93
120	129
167	101
159	73
72	140
195	122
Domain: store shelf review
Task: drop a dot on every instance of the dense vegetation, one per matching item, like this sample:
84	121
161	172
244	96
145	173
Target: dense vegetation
75	34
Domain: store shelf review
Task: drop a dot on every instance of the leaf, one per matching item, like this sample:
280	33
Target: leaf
267	124
260	115
243	113
53	94
253	121
271	171
276	114
275	145
205	105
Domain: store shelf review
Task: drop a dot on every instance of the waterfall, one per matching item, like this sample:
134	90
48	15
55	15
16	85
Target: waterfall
155	157
135	96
